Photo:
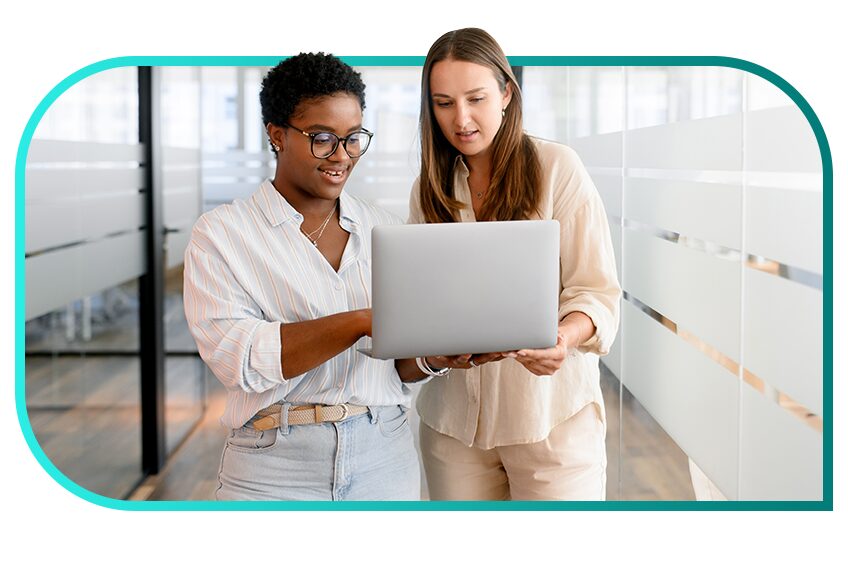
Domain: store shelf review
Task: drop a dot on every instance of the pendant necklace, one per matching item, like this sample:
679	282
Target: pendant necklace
320	229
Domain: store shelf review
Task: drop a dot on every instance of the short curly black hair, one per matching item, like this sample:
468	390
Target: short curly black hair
305	76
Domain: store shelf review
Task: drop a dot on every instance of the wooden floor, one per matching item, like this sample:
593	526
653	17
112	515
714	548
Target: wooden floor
83	396
643	463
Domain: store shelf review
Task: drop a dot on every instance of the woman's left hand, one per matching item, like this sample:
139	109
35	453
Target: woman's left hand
574	329
545	361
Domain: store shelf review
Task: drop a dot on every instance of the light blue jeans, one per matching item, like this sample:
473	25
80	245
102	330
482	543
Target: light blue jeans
367	457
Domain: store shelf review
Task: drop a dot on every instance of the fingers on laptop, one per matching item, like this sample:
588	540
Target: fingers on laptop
459	362
466	361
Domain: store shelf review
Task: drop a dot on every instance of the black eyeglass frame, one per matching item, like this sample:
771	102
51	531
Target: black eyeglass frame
343	141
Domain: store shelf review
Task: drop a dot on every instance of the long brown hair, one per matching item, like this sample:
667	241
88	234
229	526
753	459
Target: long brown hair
515	186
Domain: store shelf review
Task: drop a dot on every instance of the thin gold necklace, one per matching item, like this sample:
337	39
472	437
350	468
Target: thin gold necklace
320	229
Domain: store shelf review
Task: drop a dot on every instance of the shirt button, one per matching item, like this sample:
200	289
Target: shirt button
339	285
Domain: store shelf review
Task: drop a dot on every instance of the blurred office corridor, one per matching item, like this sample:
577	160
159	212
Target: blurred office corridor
712	182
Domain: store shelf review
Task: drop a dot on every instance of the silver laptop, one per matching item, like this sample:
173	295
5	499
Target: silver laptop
464	288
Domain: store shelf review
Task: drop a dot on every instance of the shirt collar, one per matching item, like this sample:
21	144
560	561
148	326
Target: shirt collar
278	210
273	205
459	166
348	210
461	191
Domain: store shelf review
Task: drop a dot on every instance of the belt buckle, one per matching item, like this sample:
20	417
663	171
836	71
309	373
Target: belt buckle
345	412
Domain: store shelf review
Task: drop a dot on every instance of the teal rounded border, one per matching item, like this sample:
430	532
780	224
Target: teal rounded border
826	504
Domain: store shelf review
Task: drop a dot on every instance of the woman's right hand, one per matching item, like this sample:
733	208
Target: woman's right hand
465	361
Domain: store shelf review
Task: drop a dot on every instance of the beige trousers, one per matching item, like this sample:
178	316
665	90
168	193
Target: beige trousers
569	465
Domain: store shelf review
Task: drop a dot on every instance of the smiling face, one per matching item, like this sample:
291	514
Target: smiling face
300	176
467	104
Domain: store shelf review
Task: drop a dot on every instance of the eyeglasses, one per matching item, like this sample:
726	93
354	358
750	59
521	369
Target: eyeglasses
324	144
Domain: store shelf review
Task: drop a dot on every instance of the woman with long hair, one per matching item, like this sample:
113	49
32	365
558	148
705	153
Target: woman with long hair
528	424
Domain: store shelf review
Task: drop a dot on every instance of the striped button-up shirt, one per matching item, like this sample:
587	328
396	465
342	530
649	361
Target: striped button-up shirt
249	269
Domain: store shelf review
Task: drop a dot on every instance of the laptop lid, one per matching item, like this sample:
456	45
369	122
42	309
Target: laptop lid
460	288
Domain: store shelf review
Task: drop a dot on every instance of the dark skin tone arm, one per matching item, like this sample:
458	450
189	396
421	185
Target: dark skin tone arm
408	370
308	344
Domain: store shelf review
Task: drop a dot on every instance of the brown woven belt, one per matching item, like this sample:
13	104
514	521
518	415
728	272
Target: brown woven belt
271	417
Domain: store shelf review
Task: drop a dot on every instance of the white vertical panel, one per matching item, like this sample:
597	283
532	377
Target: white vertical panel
694	399
181	207
707	211
785	226
111	261
602	150
64	221
53	280
218	193
615	236
57	278
781	139
781	457
708	144
697	291
609	187
174	156
175	246
783	336
613	359
181	178
612	202
59	151
221	182
51	224
66	182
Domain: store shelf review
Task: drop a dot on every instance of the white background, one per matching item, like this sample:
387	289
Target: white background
42	43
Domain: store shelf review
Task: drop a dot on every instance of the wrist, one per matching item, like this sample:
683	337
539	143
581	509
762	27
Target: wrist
427	369
363	322
570	336
430	364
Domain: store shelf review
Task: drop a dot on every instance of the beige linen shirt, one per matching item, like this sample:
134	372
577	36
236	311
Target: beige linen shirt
502	403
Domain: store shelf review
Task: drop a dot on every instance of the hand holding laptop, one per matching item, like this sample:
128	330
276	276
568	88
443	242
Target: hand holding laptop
543	361
466	361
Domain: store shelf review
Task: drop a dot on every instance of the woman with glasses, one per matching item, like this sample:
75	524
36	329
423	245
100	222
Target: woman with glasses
277	296
526	424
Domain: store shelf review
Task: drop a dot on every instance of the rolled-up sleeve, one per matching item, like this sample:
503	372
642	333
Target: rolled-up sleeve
239	346
587	263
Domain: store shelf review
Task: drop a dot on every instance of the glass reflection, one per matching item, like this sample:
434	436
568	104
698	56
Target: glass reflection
82	390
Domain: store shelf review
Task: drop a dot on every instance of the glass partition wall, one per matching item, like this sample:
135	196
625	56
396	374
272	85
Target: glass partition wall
88	195
711	179
84	247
